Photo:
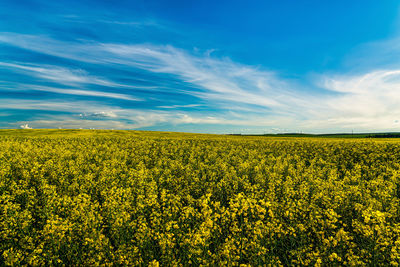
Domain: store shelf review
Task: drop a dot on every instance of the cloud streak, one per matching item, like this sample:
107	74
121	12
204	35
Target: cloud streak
80	92
227	92
59	74
218	79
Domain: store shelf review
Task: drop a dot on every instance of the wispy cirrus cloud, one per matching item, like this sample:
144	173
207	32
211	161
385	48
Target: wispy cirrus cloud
181	106
218	80
80	51
72	107
59	74
230	93
78	92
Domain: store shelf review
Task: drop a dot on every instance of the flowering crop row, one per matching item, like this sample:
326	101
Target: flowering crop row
149	199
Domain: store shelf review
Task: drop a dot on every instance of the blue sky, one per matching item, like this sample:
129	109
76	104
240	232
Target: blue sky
201	66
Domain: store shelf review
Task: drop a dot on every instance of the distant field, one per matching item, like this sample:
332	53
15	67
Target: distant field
77	132
337	135
98	197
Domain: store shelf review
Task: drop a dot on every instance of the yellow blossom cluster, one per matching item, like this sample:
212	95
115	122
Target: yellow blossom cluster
151	199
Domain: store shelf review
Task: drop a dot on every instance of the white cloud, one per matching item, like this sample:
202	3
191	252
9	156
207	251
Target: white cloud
101	114
220	80
181	106
366	101
70	123
43	44
79	92
60	74
25	126
85	114
238	94
75	107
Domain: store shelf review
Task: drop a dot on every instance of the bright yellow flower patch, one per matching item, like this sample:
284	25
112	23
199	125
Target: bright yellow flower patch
152	199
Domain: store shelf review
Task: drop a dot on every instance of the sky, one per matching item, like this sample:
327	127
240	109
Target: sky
201	66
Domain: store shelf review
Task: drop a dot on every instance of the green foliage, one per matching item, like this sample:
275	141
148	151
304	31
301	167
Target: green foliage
148	198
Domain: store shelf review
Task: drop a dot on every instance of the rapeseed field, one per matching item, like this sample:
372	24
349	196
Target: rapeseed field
149	199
